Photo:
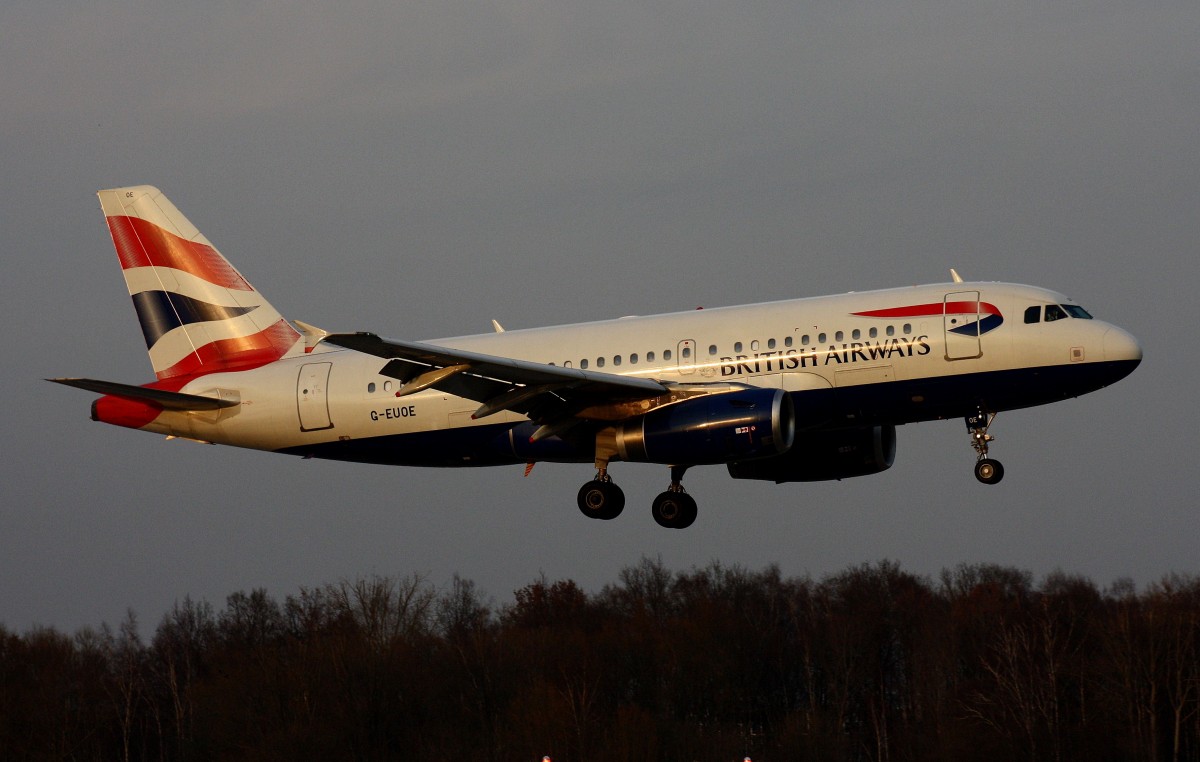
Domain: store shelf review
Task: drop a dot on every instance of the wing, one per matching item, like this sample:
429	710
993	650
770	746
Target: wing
550	395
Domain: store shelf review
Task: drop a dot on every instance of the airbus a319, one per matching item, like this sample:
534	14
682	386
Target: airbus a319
786	391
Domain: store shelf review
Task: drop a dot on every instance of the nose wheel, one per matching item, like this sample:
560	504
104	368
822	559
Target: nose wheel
987	470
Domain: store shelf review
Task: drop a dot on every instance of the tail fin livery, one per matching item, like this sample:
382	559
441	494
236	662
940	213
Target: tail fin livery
197	312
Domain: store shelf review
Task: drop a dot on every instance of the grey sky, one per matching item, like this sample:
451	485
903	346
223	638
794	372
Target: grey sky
417	169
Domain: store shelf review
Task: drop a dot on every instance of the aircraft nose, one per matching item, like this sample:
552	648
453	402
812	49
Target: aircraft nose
1120	345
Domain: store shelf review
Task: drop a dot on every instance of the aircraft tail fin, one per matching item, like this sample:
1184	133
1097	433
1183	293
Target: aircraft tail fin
198	314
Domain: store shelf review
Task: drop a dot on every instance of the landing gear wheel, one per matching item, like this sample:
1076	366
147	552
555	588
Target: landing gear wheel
601	500
989	471
674	510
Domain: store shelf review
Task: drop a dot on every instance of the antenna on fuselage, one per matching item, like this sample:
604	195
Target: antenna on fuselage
954	274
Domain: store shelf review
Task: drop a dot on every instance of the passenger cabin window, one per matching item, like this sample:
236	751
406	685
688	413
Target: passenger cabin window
666	355
371	388
874	332
599	362
737	347
820	338
754	346
856	334
583	363
1033	314
633	358
837	336
687	352
712	349
891	330
1054	312
617	360
787	341
770	343
649	357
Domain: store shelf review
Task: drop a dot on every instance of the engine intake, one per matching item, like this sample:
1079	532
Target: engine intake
716	428
826	455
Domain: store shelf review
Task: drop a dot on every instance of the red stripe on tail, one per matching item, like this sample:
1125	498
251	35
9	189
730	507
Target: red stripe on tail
141	244
243	353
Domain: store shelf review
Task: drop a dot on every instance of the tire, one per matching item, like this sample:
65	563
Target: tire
690	511
989	471
674	510
601	500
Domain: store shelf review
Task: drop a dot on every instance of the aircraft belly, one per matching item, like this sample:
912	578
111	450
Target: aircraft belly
482	445
936	397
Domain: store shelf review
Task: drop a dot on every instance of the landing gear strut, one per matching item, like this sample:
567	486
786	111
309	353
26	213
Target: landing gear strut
987	470
600	498
675	508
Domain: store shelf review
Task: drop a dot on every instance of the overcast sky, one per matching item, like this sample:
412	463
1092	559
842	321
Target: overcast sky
417	169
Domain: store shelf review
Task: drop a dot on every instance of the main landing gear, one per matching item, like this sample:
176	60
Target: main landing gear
987	470
675	508
602	499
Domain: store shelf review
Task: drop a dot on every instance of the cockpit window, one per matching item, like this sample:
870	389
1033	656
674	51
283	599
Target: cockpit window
1054	312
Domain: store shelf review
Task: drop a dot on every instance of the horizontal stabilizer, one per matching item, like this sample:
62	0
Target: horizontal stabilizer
168	400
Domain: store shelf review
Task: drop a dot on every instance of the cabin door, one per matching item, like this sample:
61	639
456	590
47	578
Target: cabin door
961	325
311	399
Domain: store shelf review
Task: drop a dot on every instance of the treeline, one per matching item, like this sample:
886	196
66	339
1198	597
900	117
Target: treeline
719	663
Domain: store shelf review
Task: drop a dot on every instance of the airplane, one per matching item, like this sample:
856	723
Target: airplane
799	390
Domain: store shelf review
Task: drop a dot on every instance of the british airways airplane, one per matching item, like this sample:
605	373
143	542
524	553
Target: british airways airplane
787	391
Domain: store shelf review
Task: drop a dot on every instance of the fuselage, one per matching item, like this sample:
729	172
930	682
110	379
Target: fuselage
893	356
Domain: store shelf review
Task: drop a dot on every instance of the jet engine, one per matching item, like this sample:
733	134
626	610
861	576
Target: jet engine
715	428
824	455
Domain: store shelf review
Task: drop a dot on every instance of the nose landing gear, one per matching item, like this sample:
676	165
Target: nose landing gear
987	470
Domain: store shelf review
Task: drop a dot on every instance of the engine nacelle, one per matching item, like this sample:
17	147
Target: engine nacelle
715	428
826	455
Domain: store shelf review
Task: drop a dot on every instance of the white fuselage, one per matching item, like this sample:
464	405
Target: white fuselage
858	369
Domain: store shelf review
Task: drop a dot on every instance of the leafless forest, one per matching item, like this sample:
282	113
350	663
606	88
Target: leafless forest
719	663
